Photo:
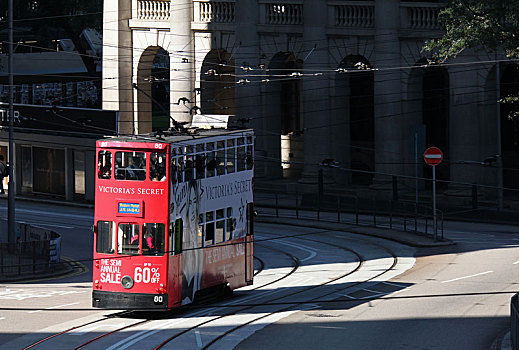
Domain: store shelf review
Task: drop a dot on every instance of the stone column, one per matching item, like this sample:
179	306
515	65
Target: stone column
248	95
182	60
465	146
117	63
389	122
316	105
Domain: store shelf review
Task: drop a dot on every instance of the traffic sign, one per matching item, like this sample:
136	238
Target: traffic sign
433	156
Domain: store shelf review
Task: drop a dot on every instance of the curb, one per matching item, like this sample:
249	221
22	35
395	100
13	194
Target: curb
393	235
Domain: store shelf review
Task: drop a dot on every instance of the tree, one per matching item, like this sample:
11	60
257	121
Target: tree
477	24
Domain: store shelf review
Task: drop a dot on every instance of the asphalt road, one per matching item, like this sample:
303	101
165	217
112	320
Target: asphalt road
400	297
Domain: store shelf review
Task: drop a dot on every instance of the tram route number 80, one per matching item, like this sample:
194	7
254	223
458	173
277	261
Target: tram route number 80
158	299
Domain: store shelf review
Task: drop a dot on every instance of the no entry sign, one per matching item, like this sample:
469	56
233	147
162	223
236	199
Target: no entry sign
433	156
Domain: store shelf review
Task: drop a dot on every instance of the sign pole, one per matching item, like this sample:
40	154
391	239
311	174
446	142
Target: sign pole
434	203
433	156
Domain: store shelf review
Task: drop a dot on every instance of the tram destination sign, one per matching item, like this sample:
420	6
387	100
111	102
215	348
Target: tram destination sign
130	208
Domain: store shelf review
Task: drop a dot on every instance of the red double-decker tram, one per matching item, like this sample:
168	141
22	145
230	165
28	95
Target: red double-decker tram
173	218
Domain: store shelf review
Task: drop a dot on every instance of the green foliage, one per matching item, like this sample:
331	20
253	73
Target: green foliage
477	24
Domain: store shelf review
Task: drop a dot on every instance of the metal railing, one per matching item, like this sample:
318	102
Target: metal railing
398	215
37	251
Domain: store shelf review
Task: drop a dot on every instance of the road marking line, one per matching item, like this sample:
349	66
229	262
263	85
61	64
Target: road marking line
52	307
2	318
517	262
198	338
460	278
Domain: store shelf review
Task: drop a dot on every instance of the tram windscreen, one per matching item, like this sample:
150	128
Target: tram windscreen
153	238
105	242
128	239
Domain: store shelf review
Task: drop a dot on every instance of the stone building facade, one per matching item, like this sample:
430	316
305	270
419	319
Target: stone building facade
333	81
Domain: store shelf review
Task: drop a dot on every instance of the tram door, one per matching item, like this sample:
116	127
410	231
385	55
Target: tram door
175	262
249	245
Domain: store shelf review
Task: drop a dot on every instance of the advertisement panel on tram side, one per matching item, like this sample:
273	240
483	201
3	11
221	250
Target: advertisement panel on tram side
191	201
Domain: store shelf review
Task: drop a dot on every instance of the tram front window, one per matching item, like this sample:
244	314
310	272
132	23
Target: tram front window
128	239
105	237
153	238
130	166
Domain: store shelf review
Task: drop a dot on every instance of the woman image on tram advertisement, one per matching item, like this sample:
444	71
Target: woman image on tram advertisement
192	252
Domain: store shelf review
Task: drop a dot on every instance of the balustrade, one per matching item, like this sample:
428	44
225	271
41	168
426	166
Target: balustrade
216	12
422	17
283	14
354	15
153	10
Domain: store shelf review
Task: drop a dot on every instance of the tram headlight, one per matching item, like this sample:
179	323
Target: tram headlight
127	282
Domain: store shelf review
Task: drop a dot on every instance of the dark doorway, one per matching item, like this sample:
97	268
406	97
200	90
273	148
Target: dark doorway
509	86
217	83
160	90
435	117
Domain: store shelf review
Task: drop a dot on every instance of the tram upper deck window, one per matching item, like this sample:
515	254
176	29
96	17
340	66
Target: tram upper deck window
105	242
128	239
104	165
130	166
153	239
231	151
158	166
220	158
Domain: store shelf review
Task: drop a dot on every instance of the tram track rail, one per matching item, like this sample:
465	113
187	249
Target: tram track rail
237	327
261	267
212	342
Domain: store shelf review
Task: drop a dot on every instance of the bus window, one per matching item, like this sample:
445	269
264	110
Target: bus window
128	239
104	165
153	239
157	166
105	237
130	166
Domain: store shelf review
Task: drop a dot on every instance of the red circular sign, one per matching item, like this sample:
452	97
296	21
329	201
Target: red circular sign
433	156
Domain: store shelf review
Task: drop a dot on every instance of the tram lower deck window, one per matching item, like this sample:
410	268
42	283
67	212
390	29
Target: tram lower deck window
153	239
105	242
128	239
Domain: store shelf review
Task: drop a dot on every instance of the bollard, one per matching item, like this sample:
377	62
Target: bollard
338	209
395	188
391	215
297	205
33	256
277	208
474	196
356	210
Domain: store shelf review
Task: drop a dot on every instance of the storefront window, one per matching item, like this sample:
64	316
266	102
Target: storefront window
79	172
49	170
